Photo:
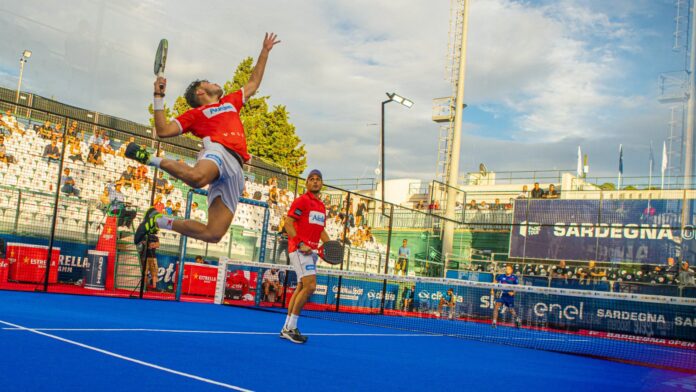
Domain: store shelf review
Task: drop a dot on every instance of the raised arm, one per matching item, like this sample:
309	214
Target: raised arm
257	73
163	128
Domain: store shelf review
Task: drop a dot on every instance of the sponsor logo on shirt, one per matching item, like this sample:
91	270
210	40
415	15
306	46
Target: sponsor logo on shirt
298	212
310	267
316	218
214	111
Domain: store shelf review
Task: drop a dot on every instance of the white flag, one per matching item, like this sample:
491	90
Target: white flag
664	157
580	171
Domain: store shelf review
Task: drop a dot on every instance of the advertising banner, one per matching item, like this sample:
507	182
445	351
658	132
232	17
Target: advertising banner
574	313
644	231
358	293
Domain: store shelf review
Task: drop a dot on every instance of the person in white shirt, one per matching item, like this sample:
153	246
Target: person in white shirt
197	214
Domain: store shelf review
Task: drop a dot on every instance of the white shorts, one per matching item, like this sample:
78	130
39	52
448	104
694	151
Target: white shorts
304	265
230	183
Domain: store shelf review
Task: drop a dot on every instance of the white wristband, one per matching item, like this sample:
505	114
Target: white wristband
158	104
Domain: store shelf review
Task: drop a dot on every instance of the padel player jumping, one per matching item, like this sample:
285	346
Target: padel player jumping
305	228
215	119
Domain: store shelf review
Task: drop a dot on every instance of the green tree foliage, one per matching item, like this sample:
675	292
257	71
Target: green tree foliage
607	186
270	134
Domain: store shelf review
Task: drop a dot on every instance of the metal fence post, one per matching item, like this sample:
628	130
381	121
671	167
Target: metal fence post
55	207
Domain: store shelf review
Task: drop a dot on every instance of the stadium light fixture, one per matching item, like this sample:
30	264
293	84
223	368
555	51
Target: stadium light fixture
398	98
25	57
393	97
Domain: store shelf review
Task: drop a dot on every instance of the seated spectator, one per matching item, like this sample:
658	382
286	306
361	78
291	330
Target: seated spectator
420	205
524	194
686	275
537	192
593	274
4	156
510	204
68	184
45	131
106	145
200	260
162	185
122	150
104	198
198	214
158	205
273	196
671	268
75	151
128	178
272	289
51	151
552	193
176	210
94	156
497	206
58	130
141	174
483	206
168	208
559	271
472	205
245	194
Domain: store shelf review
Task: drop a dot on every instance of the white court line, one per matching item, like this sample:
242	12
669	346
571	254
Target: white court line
217	332
125	358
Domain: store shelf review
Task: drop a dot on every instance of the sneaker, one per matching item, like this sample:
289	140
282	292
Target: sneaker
283	332
147	226
136	152
294	336
518	323
494	325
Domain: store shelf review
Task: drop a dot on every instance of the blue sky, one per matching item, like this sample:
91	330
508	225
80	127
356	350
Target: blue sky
542	76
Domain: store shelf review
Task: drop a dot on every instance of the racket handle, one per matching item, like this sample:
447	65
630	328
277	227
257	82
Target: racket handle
161	75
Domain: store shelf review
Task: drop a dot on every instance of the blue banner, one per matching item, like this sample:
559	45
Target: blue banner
644	231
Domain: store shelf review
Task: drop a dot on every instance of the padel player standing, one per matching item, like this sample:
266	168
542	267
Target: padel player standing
305	227
507	297
215	119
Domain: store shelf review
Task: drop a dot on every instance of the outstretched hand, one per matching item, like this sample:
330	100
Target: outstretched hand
270	40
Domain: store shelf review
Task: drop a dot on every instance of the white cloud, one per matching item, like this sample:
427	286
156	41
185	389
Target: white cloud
555	68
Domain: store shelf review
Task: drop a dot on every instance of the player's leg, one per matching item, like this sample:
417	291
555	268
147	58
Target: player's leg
152	264
219	220
495	313
201	174
309	284
511	307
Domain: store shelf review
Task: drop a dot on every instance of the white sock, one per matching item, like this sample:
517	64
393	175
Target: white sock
155	161
287	320
292	323
165	222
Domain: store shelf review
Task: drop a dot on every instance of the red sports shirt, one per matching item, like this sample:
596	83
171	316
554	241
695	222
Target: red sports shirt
219	121
310	218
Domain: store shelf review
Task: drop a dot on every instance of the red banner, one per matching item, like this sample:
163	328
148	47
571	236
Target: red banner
27	263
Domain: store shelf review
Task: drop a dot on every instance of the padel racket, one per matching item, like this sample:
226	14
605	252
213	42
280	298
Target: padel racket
161	58
332	252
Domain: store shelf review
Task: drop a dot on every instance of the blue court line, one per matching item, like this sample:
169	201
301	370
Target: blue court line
263	361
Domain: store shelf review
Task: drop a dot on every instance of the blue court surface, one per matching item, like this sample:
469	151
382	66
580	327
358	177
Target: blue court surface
51	342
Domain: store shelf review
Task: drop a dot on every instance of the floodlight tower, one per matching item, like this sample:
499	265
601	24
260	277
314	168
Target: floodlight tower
448	111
